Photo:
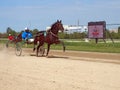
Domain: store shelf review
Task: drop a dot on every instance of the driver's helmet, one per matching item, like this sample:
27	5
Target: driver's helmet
9	34
27	29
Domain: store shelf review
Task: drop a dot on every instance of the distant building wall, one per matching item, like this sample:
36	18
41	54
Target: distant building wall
73	28
114	30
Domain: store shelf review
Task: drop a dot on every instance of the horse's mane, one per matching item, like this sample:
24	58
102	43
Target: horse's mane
53	26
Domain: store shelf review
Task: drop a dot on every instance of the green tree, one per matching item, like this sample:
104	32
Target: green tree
10	31
119	29
34	31
61	35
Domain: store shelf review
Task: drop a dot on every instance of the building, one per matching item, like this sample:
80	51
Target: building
113	30
73	28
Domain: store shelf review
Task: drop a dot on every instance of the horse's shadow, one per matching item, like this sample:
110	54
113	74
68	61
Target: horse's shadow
55	56
51	56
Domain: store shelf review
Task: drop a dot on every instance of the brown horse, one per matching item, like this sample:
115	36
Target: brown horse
50	38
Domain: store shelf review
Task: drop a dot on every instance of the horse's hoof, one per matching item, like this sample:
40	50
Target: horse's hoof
33	49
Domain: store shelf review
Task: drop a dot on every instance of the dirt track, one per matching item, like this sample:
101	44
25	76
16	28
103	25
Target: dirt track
60	71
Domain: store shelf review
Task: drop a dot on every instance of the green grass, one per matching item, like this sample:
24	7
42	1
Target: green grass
84	46
92	47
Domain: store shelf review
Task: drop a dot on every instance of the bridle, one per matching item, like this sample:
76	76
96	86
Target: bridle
53	34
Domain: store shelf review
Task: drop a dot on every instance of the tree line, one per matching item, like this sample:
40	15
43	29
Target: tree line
75	35
15	33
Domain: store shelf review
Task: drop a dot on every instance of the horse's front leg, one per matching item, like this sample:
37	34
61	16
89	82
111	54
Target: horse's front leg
61	42
48	48
63	45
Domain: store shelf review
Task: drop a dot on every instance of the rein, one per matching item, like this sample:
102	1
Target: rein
53	34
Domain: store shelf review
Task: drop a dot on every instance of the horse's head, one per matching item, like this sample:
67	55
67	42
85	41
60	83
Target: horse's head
60	25
57	26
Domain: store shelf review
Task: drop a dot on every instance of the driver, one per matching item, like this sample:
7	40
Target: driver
26	34
10	37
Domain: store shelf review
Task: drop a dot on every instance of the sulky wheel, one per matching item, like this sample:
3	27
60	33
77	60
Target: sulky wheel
18	49
41	51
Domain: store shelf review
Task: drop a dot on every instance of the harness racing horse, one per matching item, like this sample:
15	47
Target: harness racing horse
51	37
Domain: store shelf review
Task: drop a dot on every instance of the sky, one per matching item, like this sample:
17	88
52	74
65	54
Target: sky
38	14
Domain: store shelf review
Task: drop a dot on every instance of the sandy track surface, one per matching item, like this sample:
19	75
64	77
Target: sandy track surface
60	71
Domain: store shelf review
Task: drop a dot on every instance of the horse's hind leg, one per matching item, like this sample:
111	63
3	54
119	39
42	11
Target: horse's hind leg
34	47
37	50
35	44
